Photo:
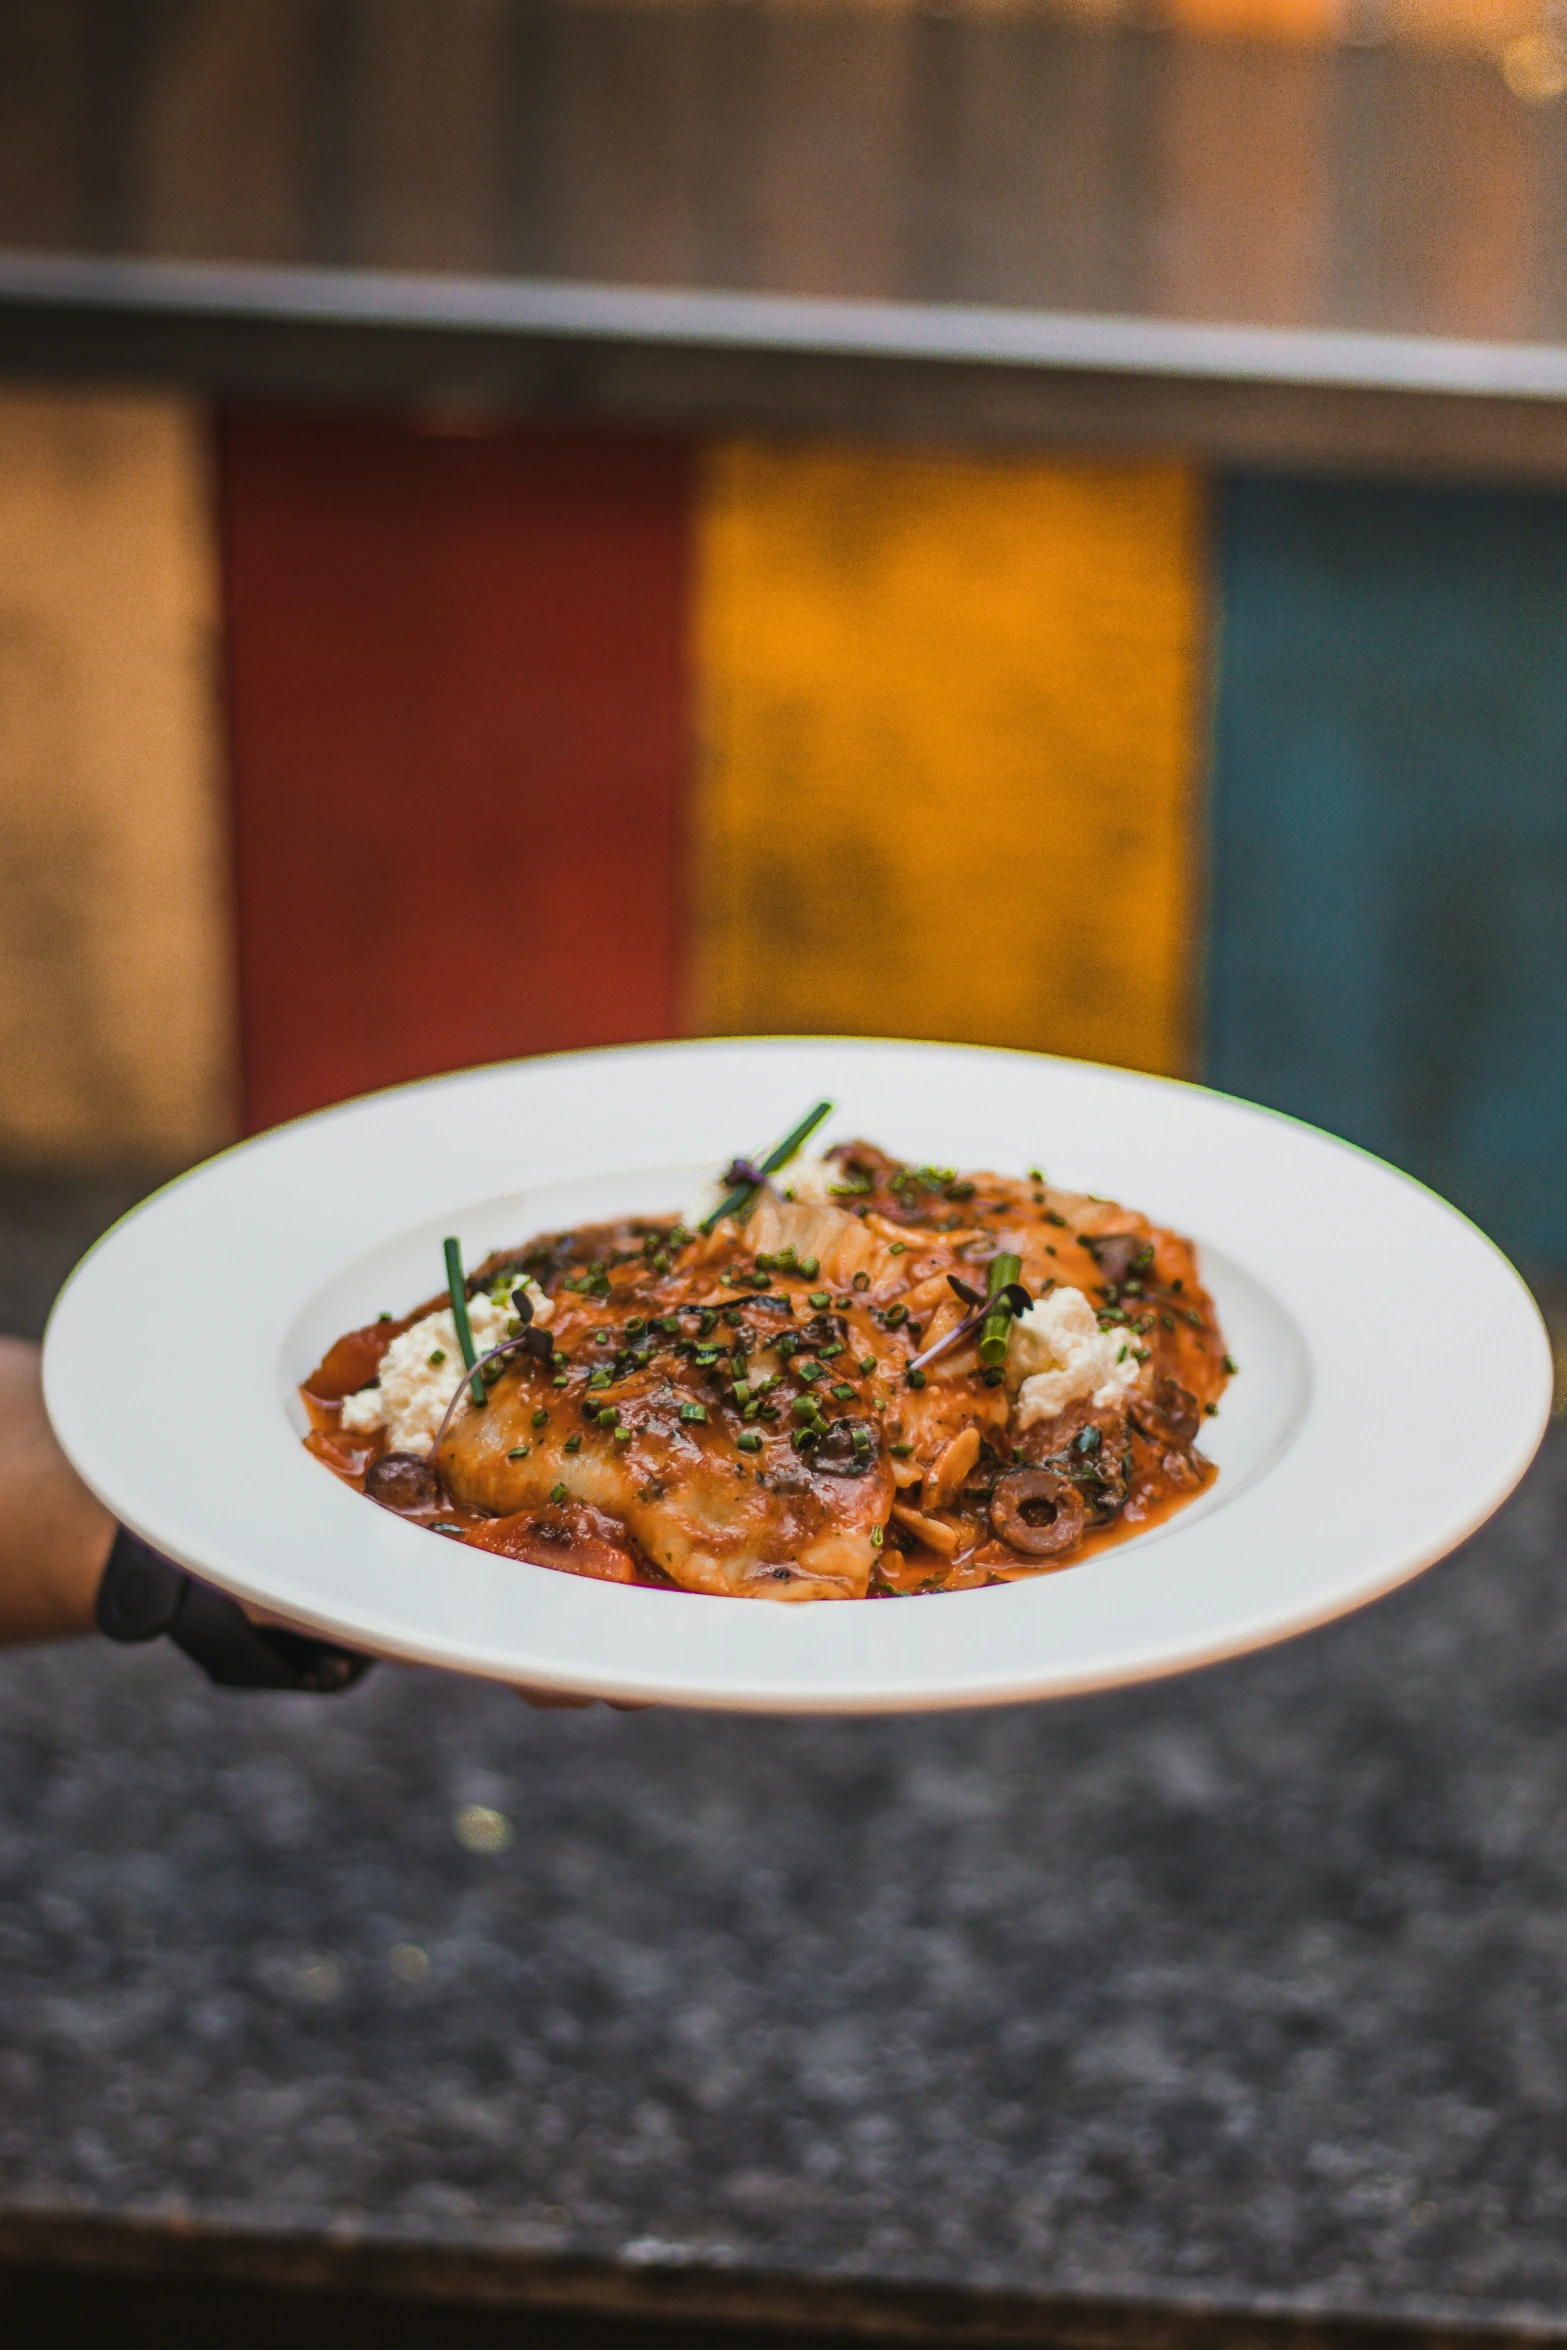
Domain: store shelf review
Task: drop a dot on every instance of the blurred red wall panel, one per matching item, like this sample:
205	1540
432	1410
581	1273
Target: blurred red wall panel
459	718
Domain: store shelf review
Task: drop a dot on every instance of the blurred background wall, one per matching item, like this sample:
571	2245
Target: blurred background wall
376	700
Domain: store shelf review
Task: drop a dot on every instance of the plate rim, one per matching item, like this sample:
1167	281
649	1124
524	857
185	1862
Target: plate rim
1485	1496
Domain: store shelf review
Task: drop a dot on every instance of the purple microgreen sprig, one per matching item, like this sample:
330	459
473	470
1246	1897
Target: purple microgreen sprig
746	1178
531	1339
1012	1298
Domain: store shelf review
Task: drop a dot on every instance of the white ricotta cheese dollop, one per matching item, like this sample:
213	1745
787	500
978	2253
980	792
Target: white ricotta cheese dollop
414	1389
1061	1356
813	1179
807	1179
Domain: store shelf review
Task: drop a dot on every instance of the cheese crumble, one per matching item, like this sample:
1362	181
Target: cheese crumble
808	1180
1061	1356
815	1179
414	1389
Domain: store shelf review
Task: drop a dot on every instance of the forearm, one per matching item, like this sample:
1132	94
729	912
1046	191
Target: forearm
54	1537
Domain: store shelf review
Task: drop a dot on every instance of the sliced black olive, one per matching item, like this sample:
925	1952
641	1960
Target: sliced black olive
1117	1254
1178	1408
822	1329
402	1481
1038	1512
848	1449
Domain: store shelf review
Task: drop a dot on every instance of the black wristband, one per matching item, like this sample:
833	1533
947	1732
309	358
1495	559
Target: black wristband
143	1594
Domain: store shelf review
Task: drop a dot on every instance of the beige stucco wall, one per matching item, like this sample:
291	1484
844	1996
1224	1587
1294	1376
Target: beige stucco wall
116	1011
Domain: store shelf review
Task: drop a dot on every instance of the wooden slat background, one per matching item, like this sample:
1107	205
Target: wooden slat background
116	999
950	725
459	712
1388	946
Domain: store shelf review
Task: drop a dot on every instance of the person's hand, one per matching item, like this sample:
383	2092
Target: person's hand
54	1534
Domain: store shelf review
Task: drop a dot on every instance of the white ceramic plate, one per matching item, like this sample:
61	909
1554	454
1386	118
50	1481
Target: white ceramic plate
1394	1381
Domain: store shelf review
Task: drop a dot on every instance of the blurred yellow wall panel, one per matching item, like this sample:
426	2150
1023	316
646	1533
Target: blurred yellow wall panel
949	711
116	1021
1315	22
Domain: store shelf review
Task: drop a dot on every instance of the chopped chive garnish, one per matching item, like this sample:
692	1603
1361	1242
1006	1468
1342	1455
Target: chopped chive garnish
876	1538
1230	1364
557	1493
520	1452
540	1416
844	1394
693	1411
916	1377
383	1317
819	1298
748	1180
437	1358
622	1435
867	1365
749	1440
573	1444
459	1298
809	1267
996	1331
902	1451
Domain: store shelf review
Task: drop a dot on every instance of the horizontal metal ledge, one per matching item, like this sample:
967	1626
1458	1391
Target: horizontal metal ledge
562	309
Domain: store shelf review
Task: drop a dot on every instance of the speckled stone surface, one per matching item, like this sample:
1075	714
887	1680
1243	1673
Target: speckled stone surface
1249	1987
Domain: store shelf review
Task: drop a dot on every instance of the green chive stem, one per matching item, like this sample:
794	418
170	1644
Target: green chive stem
778	1157
995	1334
459	1297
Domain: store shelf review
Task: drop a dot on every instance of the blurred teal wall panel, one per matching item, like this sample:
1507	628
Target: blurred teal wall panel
1387	950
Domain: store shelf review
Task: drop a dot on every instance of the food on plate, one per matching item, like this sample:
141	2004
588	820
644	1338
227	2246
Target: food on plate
842	1377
